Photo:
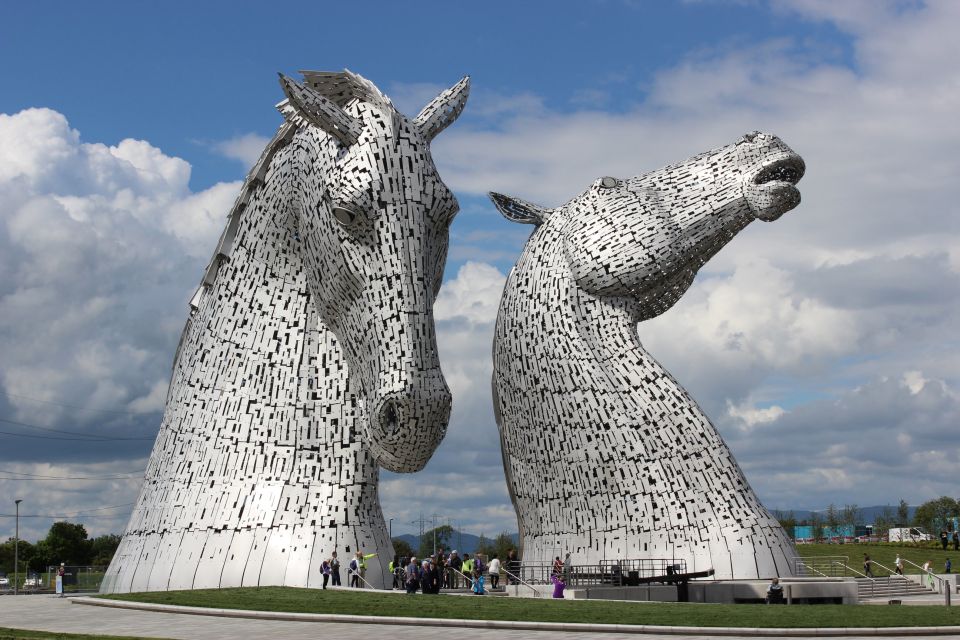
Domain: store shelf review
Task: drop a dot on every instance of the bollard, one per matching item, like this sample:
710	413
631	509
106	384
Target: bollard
789	590
946	595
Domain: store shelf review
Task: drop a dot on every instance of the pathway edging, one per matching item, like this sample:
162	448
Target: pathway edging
528	626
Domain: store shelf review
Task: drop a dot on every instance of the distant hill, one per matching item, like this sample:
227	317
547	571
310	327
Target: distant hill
462	541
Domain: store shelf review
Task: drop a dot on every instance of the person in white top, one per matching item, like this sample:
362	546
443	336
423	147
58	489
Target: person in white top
898	564
495	572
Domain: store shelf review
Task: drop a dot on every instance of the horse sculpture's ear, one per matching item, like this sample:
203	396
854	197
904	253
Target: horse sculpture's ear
517	210
443	110
320	111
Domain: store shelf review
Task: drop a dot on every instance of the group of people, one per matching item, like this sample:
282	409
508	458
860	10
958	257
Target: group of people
356	570
946	537
441	571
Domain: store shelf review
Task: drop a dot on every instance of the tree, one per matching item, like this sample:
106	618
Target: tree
787	520
503	543
7	551
102	549
851	515
816	523
66	542
884	521
903	513
443	535
832	520
933	514
402	548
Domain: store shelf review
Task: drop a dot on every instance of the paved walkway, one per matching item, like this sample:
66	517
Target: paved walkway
49	613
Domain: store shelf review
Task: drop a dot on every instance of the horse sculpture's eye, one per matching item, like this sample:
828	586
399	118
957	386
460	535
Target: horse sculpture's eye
345	214
609	183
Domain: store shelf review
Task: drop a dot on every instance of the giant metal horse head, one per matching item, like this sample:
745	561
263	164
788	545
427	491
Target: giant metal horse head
646	237
373	217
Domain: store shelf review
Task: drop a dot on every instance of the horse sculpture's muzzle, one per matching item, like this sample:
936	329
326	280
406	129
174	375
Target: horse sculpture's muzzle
770	189
408	419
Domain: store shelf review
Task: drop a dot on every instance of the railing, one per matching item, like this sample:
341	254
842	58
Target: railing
826	566
513	579
610	572
931	576
75	579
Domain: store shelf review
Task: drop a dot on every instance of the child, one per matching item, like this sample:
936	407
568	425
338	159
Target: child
477	583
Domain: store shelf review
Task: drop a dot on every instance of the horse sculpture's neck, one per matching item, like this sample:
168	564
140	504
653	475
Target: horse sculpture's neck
257	474
633	468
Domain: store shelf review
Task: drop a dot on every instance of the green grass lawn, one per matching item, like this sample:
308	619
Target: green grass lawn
884	554
26	634
287	599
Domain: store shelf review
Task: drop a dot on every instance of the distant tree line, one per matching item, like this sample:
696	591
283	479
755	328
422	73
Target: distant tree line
500	545
65	542
933	516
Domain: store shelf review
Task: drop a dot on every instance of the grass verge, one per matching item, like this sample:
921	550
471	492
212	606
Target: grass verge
27	634
288	599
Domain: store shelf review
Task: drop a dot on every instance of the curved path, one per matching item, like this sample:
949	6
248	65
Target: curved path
49	613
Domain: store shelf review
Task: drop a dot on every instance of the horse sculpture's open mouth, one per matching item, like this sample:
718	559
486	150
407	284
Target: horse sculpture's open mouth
788	169
771	191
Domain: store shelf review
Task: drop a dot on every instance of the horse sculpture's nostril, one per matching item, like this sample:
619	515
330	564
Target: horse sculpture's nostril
390	422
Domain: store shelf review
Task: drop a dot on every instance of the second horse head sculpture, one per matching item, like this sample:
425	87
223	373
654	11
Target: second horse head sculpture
606	455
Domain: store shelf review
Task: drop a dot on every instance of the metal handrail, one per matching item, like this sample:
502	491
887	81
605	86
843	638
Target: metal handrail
811	562
798	562
943	584
465	576
536	592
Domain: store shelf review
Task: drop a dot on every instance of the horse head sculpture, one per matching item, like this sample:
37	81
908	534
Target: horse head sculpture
373	216
309	359
646	237
606	455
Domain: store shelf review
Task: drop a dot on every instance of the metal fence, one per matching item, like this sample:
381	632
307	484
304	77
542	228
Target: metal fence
76	579
609	572
821	566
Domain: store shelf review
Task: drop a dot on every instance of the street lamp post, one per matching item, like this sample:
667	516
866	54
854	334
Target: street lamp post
16	552
391	529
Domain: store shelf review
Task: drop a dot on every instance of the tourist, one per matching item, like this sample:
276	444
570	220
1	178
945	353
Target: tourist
412	575
898	564
477	583
566	568
775	592
430	580
867	566
947	566
335	570
467	566
353	570
956	541
558	585
456	564
442	569
557	567
944	539
495	572
325	570
513	567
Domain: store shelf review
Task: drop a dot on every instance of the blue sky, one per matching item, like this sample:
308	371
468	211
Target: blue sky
823	345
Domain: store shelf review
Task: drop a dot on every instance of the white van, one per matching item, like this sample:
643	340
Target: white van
908	534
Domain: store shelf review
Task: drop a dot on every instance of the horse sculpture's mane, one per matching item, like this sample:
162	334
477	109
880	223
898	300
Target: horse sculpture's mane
338	87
